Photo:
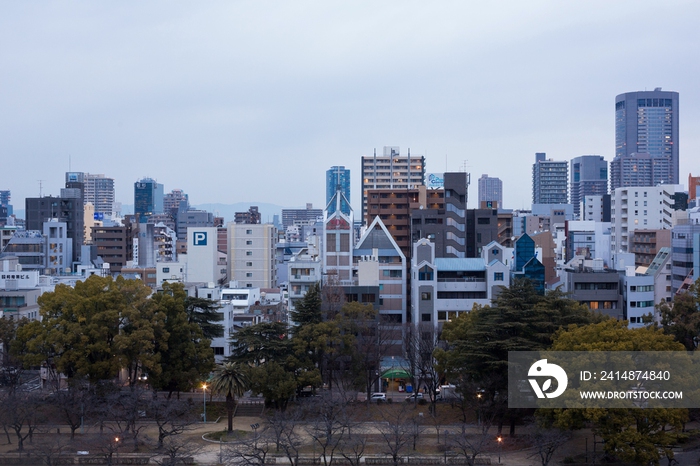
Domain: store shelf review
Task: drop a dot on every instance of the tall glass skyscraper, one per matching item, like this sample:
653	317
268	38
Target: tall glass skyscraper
338	177
148	198
589	177
646	139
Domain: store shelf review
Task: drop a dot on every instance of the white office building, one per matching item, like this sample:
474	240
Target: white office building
639	208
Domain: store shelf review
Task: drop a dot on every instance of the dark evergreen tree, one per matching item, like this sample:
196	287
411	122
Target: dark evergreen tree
266	341
204	312
308	309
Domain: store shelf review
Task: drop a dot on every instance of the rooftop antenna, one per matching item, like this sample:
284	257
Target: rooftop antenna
69	165
40	187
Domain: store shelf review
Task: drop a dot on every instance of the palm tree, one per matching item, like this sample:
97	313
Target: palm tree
230	380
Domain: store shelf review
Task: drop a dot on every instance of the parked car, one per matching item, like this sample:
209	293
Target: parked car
413	396
378	397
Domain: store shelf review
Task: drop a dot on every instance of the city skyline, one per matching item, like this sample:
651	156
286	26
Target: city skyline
214	98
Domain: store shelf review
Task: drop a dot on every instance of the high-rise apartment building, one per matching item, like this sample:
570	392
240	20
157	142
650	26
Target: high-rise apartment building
395	209
148	198
115	244
96	189
549	180
636	208
646	139
99	190
172	200
589	177
68	208
490	190
338	178
252	255
442	218
292	216
391	171
251	217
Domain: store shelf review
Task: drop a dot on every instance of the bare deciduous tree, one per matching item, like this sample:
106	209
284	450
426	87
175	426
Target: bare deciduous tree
329	424
283	428
396	432
21	412
353	448
175	450
547	442
49	451
173	417
469	444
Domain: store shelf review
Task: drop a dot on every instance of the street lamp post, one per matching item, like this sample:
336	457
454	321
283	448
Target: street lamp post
500	439
478	410
204	396
116	447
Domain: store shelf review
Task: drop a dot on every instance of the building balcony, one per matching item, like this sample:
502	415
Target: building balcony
303	278
459	304
462	286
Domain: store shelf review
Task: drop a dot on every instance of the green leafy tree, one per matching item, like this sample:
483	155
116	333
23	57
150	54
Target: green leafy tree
185	354
141	326
93	330
682	318
274	382
230	380
639	436
10	366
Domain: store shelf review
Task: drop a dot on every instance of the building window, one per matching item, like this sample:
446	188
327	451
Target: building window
166	269
426	296
249	274
248	264
425	317
249	253
498	276
249	232
249	242
425	273
218	351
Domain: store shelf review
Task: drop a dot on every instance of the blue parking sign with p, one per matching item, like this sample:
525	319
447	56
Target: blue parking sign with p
200	238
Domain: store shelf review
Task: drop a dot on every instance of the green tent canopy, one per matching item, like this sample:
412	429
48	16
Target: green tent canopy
396	373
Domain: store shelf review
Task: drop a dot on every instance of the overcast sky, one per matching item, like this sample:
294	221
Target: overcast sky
242	101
